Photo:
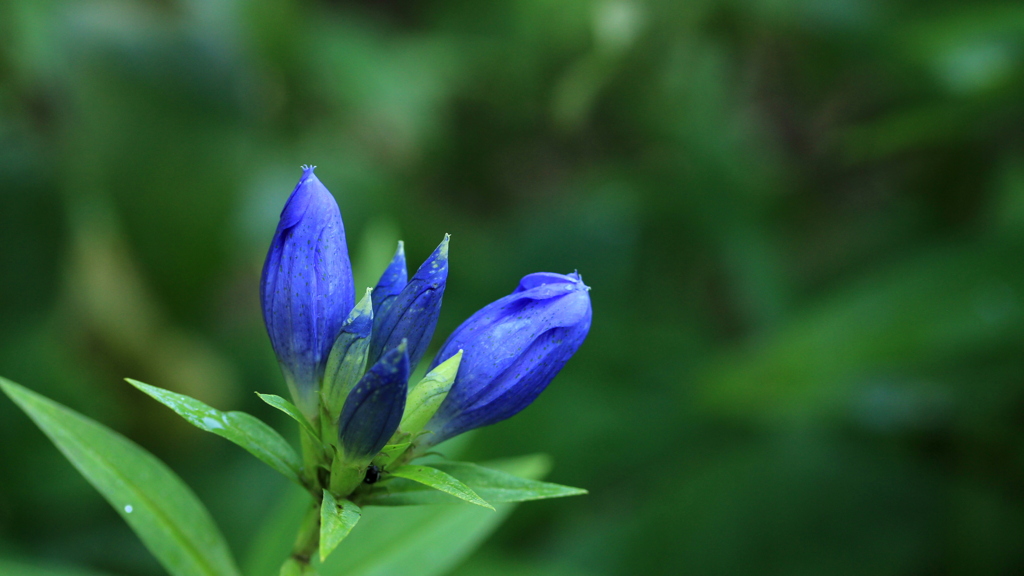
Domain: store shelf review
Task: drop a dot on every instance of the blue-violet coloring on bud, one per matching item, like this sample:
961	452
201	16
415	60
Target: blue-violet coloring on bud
375	406
306	289
512	348
413	314
391	282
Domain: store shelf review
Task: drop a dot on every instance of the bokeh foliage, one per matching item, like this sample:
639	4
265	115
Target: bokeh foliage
803	222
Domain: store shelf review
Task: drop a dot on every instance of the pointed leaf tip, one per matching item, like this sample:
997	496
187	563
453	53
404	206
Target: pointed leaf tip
336	521
243	429
440	480
158	506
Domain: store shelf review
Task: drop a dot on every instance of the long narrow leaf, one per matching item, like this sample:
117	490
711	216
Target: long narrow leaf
153	500
243	429
421	540
439	480
289	409
492	485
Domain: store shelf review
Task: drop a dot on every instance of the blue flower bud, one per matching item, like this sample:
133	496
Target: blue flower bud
391	282
413	314
512	348
306	289
374	408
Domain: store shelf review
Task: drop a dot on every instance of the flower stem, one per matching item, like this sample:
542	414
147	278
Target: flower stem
306	543
312	458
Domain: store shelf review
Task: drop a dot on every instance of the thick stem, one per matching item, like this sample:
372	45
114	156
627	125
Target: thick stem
312	457
346	476
306	543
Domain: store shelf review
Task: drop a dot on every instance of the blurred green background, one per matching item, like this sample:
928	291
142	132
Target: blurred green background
803	223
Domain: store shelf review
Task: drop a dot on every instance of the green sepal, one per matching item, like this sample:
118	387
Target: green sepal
346	476
347	360
243	429
336	521
426	397
389	453
157	505
439	480
495	486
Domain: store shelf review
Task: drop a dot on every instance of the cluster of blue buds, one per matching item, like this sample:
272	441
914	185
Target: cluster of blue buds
347	364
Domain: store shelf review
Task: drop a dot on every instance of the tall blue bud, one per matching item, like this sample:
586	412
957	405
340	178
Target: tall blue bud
412	315
512	348
374	408
391	282
306	289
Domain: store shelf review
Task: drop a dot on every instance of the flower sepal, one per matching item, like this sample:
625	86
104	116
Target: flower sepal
426	397
347	360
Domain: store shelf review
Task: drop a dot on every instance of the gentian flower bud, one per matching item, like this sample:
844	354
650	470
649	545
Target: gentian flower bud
412	315
391	282
512	348
306	289
374	408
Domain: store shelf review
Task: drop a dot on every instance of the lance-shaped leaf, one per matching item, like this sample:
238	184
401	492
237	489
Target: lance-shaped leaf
391	282
243	429
291	410
495	486
306	289
165	514
413	313
439	480
428	394
348	357
420	540
374	407
336	521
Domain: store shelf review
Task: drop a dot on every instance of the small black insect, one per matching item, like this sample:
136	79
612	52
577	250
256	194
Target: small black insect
372	474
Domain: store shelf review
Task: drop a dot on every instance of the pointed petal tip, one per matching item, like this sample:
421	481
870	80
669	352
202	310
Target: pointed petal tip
442	248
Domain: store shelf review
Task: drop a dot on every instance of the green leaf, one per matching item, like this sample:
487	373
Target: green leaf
493	485
289	409
243	429
439	480
336	521
155	503
421	540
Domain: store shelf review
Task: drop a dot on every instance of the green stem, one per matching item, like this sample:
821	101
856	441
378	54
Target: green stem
312	458
306	543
